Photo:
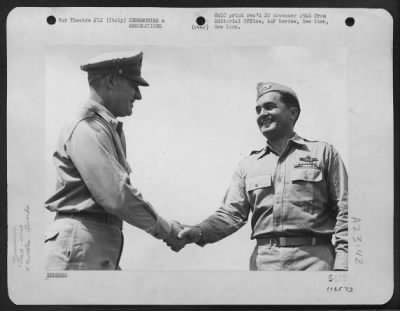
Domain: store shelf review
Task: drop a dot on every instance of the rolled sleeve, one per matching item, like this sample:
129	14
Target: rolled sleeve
93	153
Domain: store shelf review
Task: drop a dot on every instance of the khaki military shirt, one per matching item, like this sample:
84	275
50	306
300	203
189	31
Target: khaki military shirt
93	174
301	192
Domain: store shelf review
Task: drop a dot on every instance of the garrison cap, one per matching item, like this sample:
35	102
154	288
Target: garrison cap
126	64
266	87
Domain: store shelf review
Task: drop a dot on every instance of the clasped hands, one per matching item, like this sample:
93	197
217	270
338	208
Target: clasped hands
180	235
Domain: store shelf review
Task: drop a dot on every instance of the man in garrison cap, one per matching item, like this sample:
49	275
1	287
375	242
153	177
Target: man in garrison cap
94	193
296	190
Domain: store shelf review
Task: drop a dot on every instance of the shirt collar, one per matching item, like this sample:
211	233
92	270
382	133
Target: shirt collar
95	104
295	139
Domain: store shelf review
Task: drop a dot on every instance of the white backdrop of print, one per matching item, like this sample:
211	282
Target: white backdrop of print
186	136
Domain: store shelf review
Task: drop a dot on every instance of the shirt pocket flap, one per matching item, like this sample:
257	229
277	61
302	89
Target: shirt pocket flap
51	235
263	181
311	175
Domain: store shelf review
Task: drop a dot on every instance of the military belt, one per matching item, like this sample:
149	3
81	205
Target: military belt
294	241
90	216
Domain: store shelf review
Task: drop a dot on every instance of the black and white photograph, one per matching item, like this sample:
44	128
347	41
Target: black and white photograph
193	156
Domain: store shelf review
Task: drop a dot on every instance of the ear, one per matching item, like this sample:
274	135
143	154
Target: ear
294	111
109	81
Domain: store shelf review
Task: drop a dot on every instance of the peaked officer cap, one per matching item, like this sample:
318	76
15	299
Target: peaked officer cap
126	64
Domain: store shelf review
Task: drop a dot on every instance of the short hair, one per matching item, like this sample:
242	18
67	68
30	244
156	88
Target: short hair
94	79
290	101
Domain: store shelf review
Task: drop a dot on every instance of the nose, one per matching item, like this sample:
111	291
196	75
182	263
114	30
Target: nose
261	114
138	95
262	111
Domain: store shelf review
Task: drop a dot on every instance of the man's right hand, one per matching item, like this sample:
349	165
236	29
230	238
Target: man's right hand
190	234
172	239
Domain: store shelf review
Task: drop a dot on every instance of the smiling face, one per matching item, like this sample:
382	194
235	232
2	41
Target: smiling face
122	93
274	118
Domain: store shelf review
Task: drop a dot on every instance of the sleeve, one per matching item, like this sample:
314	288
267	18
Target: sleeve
338	199
92	151
232	214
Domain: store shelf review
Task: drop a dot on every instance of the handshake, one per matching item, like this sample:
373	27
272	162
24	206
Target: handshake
180	235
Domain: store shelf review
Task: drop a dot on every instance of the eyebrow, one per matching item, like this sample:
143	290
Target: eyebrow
265	104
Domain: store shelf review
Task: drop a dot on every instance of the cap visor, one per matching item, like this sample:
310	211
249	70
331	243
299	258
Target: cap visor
141	81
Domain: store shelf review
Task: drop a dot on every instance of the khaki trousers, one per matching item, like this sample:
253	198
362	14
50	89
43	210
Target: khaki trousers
300	258
72	244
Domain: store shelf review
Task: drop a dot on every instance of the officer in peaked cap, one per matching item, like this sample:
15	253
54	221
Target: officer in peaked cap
126	64
94	193
295	188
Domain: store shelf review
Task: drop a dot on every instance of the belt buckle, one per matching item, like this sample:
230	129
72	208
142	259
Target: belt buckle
282	241
313	241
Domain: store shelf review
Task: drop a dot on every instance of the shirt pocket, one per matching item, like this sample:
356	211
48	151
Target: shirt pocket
259	190
258	182
305	183
308	175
